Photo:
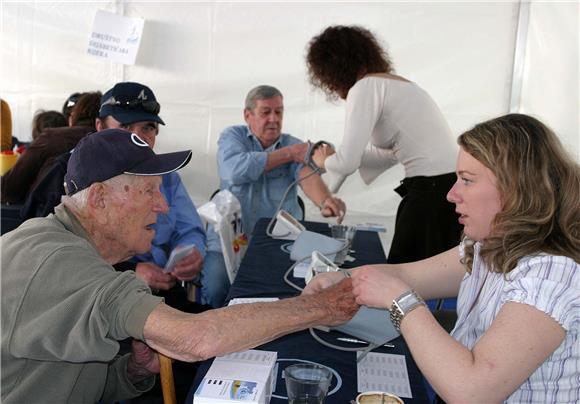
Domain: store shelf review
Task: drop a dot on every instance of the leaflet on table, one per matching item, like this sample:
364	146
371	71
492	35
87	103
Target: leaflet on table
238	377
384	372
243	300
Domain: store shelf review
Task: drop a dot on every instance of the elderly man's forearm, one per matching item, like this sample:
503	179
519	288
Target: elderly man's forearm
217	332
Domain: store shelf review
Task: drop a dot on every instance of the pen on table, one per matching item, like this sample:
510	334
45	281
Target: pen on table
358	341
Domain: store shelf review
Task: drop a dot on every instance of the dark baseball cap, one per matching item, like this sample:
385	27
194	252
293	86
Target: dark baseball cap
112	152
130	102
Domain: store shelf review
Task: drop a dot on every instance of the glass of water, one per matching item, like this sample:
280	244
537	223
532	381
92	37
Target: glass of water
307	383
346	234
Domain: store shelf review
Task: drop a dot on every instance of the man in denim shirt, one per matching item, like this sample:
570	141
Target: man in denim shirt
257	163
133	106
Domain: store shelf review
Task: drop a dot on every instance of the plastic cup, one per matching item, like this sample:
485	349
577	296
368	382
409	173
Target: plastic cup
346	234
307	383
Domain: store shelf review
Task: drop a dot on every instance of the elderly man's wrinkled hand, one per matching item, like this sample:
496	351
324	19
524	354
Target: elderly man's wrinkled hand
322	281
189	268
143	362
339	302
154	276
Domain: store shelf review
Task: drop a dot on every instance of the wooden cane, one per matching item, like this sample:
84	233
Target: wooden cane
167	384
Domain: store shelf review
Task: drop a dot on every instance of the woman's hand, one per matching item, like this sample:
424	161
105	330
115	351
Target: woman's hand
376	287
321	153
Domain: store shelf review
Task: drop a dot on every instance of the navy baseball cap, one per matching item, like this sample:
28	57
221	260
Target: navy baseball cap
129	102
112	152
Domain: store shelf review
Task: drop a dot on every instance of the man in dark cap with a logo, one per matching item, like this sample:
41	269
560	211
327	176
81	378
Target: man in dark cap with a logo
133	106
64	308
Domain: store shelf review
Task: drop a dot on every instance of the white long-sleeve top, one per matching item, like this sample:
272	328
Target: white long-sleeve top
390	121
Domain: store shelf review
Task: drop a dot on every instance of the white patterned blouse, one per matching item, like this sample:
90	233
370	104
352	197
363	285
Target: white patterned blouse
550	284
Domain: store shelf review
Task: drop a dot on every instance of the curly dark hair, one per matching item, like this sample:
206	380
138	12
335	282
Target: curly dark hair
340	54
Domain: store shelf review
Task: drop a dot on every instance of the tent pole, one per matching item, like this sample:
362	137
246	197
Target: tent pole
519	56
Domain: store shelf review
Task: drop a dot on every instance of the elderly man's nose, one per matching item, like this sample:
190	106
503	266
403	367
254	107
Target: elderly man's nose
161	204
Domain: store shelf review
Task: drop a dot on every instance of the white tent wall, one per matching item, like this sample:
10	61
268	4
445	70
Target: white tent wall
202	58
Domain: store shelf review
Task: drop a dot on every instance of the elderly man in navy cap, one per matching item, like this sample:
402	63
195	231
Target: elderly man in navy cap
64	307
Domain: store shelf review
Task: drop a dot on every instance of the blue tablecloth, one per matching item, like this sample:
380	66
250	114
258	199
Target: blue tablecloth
261	275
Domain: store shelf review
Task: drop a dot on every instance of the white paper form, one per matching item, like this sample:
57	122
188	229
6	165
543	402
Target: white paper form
244	300
384	372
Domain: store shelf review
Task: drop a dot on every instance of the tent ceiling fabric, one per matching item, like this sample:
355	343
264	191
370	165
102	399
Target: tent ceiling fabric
202	58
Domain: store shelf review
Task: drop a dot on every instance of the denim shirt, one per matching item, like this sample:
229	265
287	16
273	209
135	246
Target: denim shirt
180	226
241	164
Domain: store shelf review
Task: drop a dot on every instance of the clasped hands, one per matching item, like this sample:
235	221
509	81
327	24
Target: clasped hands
187	269
372	286
319	155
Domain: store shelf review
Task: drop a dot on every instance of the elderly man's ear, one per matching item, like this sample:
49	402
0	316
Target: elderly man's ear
97	200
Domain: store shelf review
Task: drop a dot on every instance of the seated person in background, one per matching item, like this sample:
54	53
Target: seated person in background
133	106
69	104
46	147
64	308
257	163
46	119
516	273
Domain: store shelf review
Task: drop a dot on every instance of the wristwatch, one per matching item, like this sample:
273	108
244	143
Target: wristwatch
403	305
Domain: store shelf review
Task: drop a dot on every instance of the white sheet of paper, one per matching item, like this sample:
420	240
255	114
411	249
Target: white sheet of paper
301	269
384	372
240	300
115	37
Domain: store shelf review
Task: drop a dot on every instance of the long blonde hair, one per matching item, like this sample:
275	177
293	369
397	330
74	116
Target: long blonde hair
539	185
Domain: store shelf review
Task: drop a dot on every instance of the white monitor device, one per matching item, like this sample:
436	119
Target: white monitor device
286	227
319	264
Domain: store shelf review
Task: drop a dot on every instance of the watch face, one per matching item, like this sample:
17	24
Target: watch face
403	305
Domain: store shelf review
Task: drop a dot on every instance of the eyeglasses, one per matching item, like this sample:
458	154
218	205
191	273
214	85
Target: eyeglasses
152	107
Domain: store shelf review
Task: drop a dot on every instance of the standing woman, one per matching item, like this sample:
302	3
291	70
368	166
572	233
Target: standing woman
389	120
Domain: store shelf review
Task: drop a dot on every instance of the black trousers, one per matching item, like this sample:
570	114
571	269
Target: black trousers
426	223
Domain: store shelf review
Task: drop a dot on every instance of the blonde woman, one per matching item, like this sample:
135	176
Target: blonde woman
516	273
